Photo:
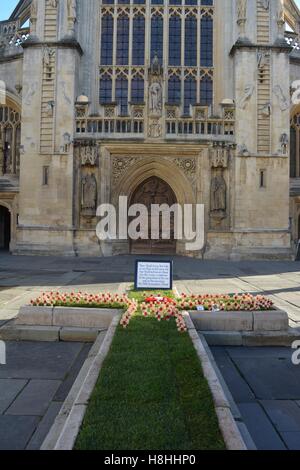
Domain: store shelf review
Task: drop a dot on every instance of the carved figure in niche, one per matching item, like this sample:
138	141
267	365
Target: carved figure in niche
284	140
266	110
89	193
265	4
248	92
53	3
72	7
280	18
218	192
47	55
30	93
155	129
242	10
155	98
262	60
283	102
33	15
156	68
89	155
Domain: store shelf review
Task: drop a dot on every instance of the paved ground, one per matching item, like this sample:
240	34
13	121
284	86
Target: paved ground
22	278
265	386
33	385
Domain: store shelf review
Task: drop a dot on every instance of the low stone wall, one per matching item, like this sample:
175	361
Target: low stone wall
273	320
67	317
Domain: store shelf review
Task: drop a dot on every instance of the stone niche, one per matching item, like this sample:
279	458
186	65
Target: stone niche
219	158
87	188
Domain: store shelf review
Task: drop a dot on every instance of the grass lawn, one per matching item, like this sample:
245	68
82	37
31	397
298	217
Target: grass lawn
141	295
151	394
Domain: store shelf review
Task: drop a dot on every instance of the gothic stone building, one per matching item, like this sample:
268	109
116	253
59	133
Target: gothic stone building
182	101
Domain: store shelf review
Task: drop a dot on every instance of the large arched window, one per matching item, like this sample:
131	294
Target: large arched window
157	36
138	51
107	39
179	32
10	129
190	93
123	40
122	94
105	89
190	59
174	90
175	40
206	54
137	90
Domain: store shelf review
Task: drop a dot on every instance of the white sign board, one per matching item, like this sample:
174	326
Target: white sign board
154	275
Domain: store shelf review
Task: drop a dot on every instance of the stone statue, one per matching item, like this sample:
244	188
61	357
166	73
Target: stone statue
72	9
265	4
266	110
30	93
283	102
242	10
242	16
53	3
155	66
33	15
34	10
248	92
155	98
218	193
284	140
47	54
281	19
89	193
262	60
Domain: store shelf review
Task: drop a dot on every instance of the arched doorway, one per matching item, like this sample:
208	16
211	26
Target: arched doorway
154	191
5	228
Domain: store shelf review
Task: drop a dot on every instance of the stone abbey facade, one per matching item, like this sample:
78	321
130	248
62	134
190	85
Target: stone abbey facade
184	101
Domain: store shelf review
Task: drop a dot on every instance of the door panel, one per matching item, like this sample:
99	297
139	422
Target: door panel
154	191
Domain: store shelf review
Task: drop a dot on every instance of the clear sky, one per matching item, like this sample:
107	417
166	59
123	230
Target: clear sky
8	6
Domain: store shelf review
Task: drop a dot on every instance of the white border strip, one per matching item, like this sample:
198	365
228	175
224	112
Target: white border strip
64	432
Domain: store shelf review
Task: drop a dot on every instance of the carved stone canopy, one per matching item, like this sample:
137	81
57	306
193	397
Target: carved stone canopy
219	157
88	153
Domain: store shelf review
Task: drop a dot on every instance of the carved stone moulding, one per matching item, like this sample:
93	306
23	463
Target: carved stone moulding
88	153
119	166
200	113
219	155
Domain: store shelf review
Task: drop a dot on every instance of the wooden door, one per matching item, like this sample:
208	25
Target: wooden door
154	191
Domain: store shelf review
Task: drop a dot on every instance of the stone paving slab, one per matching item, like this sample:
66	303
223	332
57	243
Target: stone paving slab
258	352
39	360
9	389
28	406
292	440
16	431
284	414
260	428
35	399
284	384
273	423
239	389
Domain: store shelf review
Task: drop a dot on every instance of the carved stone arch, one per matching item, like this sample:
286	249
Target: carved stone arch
163	169
12	101
6	205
